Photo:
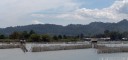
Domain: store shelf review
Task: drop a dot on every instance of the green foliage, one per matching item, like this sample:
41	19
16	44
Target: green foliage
55	38
14	35
35	38
24	35
81	36
60	37
2	37
32	32
46	38
116	36
65	37
107	33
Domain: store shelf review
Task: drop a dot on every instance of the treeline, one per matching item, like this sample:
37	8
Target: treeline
114	35
32	36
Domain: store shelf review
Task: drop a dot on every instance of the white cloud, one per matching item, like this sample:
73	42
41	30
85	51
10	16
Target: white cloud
116	12
37	22
16	12
70	16
22	12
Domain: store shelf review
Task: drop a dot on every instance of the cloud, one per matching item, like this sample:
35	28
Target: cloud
70	16
114	13
18	12
37	22
22	12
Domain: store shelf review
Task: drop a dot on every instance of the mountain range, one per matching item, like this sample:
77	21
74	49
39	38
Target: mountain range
71	29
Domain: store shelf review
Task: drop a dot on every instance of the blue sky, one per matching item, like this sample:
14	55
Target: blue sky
92	4
89	4
61	12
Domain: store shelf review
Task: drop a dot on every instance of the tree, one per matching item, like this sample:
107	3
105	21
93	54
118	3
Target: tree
2	37
24	35
99	36
35	38
106	33
46	38
14	35
81	36
77	36
116	35
60	37
32	32
125	34
65	37
55	38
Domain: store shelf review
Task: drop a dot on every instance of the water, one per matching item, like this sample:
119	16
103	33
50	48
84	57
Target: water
80	54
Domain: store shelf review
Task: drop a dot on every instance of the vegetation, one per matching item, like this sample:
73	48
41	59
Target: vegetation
35	37
69	30
69	33
114	35
32	36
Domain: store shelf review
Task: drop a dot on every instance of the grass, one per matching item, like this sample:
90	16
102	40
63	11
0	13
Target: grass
58	47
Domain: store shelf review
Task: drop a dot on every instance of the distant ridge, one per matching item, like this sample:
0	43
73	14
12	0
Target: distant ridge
72	29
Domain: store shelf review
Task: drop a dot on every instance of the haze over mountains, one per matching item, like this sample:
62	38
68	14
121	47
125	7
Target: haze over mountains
72	29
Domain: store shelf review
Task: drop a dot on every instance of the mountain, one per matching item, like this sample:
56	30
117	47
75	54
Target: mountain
72	29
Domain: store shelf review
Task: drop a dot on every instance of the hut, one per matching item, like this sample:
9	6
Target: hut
94	42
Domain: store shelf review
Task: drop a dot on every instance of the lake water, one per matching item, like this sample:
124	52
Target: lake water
80	54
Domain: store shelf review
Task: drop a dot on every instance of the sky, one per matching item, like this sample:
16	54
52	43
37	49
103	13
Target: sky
61	12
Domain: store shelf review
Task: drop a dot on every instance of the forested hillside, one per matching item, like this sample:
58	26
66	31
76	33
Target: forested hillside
72	29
